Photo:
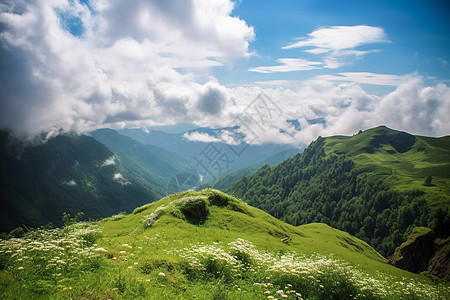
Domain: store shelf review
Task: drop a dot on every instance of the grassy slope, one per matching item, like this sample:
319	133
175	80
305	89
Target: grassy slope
404	168
135	257
225	225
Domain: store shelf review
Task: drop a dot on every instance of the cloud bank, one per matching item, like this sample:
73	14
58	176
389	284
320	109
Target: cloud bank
80	65
324	107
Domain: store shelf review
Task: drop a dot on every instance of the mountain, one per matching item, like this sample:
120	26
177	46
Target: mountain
229	179
150	165
67	173
202	245
231	157
377	185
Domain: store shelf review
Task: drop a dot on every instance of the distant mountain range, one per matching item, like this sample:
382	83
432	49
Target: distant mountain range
105	173
147	163
230	157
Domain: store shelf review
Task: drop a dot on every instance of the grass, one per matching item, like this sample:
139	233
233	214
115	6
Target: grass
404	166
235	252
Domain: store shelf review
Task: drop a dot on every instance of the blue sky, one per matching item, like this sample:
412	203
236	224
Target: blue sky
417	36
78	65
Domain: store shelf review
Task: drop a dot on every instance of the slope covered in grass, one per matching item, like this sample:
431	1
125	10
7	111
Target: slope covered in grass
370	185
204	245
403	160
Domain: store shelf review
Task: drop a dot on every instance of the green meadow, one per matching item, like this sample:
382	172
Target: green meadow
201	245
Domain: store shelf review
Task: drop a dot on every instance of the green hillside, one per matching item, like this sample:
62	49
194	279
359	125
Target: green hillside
201	245
38	182
150	165
402	159
371	185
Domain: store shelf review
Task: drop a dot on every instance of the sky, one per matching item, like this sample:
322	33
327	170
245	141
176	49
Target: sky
278	71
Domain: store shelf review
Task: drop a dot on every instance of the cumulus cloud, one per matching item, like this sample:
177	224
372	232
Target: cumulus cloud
79	65
328	108
417	108
212	99
109	161
65	64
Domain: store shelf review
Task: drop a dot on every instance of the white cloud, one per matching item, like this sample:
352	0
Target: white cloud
335	45
121	67
288	65
120	179
417	108
327	108
71	183
109	161
124	70
335	38
361	77
230	137
277	82
200	137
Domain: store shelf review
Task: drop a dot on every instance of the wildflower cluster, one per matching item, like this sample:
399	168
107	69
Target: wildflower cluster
209	261
50	255
293	276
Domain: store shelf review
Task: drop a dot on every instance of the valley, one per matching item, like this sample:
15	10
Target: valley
319	225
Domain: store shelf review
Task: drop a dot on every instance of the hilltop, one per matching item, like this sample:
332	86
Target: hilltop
205	245
373	185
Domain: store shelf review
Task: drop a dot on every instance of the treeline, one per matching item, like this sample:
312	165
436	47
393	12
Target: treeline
314	187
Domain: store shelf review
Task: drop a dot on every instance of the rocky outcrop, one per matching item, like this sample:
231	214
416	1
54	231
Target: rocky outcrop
423	252
414	254
440	263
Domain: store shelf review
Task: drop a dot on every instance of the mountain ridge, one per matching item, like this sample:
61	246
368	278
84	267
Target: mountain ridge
367	184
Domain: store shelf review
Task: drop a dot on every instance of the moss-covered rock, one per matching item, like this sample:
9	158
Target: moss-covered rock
414	254
423	252
194	208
